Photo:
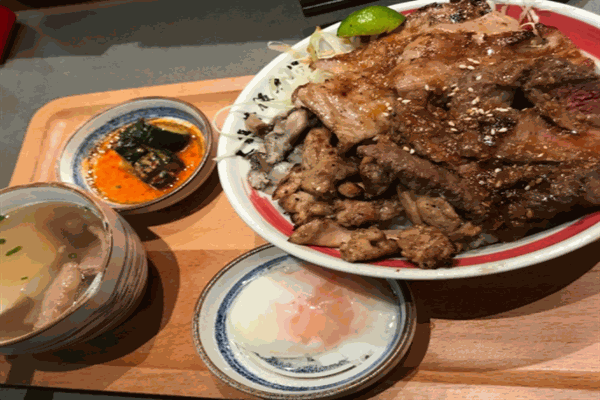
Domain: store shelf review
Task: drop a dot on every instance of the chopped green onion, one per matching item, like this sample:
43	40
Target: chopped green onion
24	278
13	251
72	256
2	241
2	217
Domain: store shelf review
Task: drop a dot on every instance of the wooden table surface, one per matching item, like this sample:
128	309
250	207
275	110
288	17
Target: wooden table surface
527	334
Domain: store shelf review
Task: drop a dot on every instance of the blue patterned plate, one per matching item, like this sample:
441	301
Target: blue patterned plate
69	166
275	326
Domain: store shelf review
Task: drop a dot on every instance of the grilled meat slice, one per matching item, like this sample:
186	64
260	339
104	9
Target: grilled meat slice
304	207
423	245
290	184
367	244
356	213
354	109
385	52
320	232
286	131
424	177
323	166
536	140
351	190
376	179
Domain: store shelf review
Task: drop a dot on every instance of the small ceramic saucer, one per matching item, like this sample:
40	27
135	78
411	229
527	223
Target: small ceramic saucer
277	327
70	163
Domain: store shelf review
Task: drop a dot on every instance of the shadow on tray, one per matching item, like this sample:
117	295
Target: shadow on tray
485	296
132	339
199	199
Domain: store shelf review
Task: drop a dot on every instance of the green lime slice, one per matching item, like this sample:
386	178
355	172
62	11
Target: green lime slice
372	20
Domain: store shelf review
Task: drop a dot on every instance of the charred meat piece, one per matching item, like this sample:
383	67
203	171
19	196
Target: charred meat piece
290	184
367	244
256	125
286	130
356	213
354	109
376	179
409	203
425	246
535	140
436	211
350	190
320	232
323	166
304	207
424	177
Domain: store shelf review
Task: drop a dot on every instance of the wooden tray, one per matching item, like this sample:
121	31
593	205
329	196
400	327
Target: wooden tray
528	334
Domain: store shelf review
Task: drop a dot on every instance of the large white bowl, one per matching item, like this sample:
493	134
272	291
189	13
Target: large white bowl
268	220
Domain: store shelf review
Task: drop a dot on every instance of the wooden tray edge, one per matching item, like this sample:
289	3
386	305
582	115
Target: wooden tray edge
38	125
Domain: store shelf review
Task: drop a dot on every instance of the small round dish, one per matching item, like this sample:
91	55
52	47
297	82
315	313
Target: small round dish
70	167
277	327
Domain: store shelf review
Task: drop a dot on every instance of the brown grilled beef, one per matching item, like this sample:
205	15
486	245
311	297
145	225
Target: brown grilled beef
481	125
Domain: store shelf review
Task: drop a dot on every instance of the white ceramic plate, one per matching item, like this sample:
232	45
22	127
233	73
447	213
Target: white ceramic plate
268	220
277	327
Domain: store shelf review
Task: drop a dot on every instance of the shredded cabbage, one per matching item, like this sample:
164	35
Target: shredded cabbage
288	78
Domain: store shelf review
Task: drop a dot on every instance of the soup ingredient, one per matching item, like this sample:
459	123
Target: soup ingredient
39	280
60	295
2	241
372	20
124	169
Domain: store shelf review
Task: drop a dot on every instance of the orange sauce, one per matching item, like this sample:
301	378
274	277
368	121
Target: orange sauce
112	176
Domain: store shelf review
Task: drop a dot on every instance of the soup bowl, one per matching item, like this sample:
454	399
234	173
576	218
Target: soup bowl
109	296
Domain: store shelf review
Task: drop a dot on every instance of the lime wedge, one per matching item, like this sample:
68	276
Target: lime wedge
372	20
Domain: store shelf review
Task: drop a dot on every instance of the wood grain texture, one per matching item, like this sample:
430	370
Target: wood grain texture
527	334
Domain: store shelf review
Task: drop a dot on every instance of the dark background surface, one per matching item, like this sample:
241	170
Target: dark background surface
96	46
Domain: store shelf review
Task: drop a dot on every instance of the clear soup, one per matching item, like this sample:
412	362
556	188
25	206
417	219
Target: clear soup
50	253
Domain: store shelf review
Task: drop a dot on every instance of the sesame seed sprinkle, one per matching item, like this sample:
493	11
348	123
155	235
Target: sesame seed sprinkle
405	101
450	123
412	151
502	130
405	148
470	90
478	78
473	61
497	170
462	66
475	101
470	67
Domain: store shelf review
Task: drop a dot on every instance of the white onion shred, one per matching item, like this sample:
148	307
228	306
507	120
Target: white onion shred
326	45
